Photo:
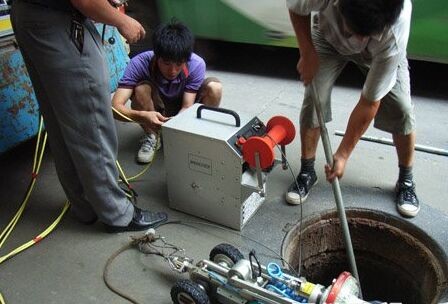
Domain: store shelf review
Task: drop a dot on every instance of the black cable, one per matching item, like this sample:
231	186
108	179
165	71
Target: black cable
297	273
253	255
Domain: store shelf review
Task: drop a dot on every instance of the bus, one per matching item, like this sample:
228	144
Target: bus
266	22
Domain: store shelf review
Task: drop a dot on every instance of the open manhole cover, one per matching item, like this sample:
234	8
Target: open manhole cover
396	261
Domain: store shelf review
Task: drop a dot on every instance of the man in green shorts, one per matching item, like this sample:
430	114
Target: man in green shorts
372	34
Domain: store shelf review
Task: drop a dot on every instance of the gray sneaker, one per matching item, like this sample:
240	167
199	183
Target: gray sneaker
148	146
407	201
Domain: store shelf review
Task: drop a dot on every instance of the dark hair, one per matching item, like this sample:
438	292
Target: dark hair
369	17
173	42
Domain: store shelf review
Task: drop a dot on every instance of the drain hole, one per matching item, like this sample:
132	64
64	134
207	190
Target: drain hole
396	261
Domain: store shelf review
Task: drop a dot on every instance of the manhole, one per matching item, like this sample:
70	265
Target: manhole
396	261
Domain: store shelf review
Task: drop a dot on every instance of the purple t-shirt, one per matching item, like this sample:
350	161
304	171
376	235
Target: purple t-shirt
140	68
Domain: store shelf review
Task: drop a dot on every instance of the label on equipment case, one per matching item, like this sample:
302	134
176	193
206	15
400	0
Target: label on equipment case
199	164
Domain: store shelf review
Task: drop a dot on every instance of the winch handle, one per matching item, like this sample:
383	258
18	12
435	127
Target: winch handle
221	110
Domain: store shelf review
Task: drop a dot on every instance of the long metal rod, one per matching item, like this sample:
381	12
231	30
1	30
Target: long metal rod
335	184
387	141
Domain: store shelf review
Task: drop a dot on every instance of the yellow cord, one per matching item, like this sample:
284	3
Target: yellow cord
37	161
122	115
39	237
2	300
152	158
38	156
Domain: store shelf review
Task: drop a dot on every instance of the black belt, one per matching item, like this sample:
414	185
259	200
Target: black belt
58	6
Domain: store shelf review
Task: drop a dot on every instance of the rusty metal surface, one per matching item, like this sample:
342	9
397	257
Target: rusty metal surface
18	105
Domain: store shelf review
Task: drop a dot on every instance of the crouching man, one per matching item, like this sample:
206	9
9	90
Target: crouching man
163	82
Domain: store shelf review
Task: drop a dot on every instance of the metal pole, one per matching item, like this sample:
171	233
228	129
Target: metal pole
335	184
387	141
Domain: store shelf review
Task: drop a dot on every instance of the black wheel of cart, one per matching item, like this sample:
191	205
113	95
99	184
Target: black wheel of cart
225	253
188	292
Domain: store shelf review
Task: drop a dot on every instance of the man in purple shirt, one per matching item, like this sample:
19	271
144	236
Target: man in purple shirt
164	82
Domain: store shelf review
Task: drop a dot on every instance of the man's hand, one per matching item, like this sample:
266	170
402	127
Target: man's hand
338	169
131	29
154	120
308	65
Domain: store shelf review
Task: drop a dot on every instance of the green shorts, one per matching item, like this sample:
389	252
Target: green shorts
396	112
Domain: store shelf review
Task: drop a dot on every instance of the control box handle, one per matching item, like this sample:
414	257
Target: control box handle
221	110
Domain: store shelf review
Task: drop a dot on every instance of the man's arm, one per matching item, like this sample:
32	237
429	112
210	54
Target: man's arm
359	121
308	62
150	118
187	100
102	11
119	100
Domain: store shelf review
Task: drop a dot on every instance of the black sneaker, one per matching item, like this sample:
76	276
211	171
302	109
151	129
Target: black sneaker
305	181
406	198
141	220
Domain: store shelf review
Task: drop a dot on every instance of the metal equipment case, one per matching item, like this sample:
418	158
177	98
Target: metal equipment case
206	173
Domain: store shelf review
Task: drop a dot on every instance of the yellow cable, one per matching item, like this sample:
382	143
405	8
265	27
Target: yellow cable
44	144
39	237
150	162
122	115
9	228
37	162
37	142
152	158
121	172
2	300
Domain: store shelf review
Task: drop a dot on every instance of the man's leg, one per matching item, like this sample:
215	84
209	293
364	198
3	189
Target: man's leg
396	115
331	65
210	92
145	98
83	139
405	145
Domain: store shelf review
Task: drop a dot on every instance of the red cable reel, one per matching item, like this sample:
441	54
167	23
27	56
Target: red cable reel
279	131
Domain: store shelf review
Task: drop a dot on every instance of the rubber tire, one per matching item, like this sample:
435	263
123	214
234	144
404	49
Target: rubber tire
193	290
227	250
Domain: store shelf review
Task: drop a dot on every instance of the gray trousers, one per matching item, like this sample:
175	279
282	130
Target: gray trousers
72	88
396	112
